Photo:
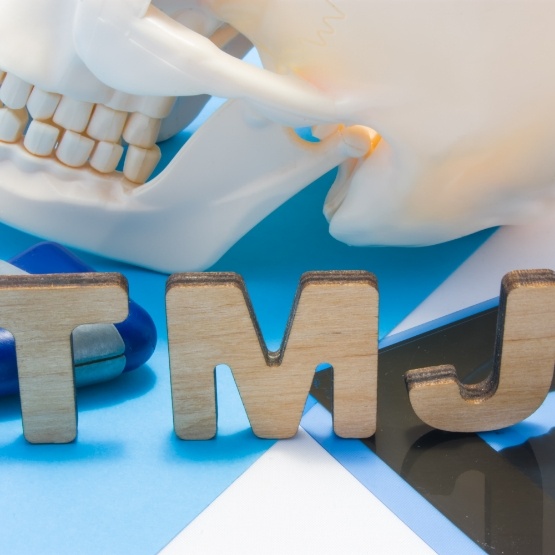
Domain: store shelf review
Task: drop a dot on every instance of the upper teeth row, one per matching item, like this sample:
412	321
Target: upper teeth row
77	132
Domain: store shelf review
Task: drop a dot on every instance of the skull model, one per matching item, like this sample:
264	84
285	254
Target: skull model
440	114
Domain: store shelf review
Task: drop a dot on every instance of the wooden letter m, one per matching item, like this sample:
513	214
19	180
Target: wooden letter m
211	321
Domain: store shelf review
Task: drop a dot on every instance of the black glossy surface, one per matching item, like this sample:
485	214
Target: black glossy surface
504	501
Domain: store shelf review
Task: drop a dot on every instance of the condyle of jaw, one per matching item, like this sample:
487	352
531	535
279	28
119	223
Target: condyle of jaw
461	93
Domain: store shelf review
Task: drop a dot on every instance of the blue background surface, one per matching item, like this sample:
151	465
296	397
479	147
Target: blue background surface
128	484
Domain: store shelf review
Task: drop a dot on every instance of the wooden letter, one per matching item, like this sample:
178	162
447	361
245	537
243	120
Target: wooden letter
523	364
211	322
41	311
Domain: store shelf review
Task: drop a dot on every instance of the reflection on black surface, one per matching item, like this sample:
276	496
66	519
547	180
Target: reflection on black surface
503	500
542	448
510	505
542	473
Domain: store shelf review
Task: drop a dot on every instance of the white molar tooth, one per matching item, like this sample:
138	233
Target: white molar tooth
157	107
141	130
14	92
140	163
106	124
73	114
12	124
106	157
42	104
41	138
123	102
74	149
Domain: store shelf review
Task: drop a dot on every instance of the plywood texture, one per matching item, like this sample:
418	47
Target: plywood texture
41	311
523	364
334	320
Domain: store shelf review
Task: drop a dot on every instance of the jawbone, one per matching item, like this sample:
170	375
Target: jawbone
461	94
172	224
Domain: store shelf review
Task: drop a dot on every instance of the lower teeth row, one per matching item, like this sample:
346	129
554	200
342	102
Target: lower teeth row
77	132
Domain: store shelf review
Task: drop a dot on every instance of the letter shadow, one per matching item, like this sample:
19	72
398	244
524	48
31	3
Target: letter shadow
129	385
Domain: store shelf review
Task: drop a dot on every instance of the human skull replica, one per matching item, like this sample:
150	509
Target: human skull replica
440	114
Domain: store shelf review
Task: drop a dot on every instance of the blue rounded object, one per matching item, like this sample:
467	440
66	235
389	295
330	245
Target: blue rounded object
138	331
8	364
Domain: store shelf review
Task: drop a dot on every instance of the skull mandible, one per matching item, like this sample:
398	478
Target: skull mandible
459	92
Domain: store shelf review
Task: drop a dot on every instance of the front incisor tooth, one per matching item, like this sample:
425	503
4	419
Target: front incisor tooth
14	92
74	149
106	124
106	157
42	104
140	163
73	114
12	124
141	130
41	138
